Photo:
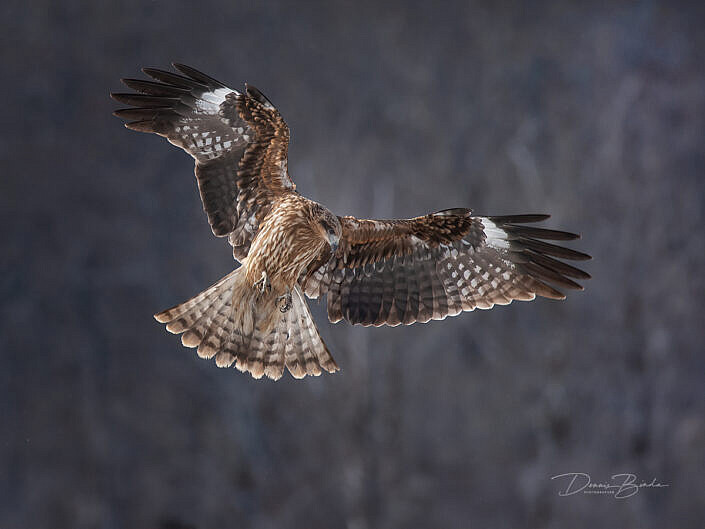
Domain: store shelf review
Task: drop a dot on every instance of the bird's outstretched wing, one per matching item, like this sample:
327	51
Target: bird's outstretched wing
405	271
238	140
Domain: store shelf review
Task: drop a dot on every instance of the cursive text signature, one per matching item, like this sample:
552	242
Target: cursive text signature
621	486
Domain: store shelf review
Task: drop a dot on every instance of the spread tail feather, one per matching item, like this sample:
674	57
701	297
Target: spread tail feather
231	322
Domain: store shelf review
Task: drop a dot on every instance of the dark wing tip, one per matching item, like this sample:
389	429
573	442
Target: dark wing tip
141	126
539	259
552	249
154	89
529	236
148	70
453	212
580	256
519	219
143	100
197	76
519	230
554	294
541	288
176	80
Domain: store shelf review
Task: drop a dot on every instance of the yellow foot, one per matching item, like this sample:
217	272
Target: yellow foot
263	283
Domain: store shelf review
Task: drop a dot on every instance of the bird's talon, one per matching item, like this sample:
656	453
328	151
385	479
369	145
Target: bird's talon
263	283
284	302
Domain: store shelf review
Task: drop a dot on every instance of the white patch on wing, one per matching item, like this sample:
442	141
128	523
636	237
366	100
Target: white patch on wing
210	102
495	237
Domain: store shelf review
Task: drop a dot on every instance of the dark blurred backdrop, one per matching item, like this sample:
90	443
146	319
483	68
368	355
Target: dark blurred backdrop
594	114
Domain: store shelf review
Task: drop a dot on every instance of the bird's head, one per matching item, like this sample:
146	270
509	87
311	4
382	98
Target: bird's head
331	230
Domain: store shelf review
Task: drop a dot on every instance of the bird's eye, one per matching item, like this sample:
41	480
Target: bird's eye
331	231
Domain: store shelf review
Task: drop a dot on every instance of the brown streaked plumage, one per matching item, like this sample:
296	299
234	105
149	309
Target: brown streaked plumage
373	272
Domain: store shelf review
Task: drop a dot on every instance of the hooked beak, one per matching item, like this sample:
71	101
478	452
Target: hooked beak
333	246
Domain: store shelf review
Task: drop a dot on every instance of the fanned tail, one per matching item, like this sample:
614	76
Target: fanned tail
231	322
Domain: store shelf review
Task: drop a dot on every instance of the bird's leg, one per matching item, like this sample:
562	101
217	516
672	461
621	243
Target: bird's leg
284	301
263	283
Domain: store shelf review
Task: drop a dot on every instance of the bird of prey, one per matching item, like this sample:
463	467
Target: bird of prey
373	272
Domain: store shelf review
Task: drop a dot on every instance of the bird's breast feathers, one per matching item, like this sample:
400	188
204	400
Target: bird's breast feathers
286	243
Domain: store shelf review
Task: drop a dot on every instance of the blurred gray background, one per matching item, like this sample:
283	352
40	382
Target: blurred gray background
593	114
